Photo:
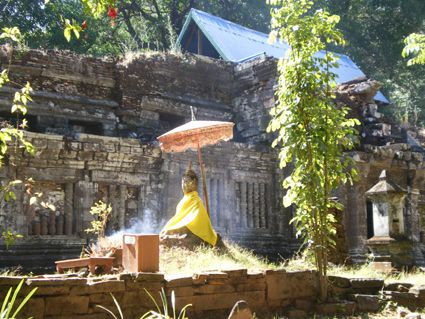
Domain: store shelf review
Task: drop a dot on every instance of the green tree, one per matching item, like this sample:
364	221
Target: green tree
375	30
10	135
415	48
138	25
311	132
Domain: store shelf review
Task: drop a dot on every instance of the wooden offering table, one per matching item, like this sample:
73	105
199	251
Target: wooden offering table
90	262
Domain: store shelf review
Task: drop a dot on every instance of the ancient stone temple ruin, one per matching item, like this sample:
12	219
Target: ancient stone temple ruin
94	123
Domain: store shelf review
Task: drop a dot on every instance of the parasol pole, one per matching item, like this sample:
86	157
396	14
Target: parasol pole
204	183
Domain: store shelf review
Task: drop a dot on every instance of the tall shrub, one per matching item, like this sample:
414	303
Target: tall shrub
312	133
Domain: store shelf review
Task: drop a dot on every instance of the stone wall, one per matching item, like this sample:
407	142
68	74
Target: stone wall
97	121
211	294
142	185
256	82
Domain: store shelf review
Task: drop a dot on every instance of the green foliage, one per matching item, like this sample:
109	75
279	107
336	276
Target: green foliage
96	8
100	212
71	27
312	133
139	25
375	31
165	312
9	237
10	299
117	305
13	135
152	314
415	47
11	33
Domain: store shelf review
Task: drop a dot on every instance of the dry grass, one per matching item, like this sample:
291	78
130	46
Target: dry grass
183	261
414	276
179	260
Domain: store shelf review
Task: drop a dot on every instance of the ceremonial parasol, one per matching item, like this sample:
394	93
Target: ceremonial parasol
194	135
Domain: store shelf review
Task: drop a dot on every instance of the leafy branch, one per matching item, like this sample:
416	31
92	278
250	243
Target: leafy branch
312	133
414	48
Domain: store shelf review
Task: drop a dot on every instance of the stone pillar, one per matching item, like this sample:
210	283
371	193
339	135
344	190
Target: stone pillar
355	220
244	206
68	209
21	218
263	206
121	206
141	201
112	198
256	205
83	200
237	217
230	210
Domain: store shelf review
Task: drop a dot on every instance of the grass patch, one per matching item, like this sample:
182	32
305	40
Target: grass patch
183	261
414	276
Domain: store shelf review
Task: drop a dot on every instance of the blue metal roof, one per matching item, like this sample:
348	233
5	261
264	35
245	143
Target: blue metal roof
236	43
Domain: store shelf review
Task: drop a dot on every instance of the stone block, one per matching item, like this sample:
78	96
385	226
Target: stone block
303	304
10	280
63	154
53	290
251	285
199	279
296	313
255	274
74	164
39	143
133	298
405	299
126	277
340	282
107	286
100	315
66	305
366	303
256	300
367	284
85	155
34	308
236	273
59	281
103	299
419	292
100	156
340	292
214	275
302	284
141	285
180	291
93	147
150	277
55	144
178	281
213	289
278	286
278	303
398	286
341	308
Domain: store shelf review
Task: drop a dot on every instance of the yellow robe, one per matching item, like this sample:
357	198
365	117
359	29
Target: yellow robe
190	212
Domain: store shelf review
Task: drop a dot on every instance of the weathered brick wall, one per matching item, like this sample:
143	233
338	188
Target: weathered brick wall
142	185
255	85
140	97
212	294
